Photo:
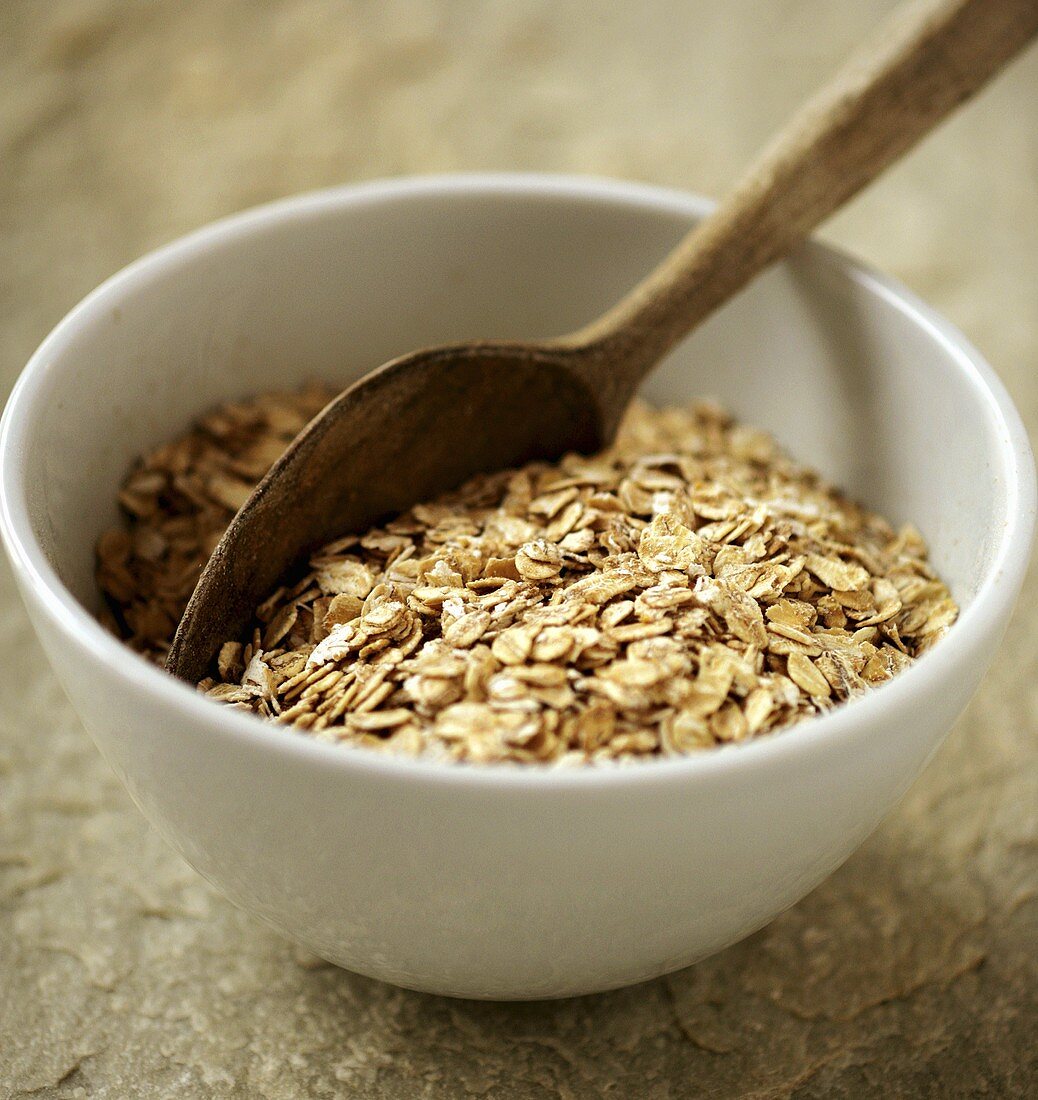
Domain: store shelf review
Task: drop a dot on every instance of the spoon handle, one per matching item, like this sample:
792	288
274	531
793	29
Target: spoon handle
930	58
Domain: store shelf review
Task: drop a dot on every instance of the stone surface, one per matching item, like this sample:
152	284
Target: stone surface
911	972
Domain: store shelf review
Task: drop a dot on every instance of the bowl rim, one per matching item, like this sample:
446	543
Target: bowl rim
983	619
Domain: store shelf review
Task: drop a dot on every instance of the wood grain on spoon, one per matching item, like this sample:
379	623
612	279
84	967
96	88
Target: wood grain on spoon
426	421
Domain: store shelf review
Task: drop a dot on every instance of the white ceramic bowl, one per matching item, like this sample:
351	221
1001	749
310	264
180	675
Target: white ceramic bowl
498	881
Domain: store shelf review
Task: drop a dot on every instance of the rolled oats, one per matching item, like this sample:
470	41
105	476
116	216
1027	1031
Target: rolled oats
689	587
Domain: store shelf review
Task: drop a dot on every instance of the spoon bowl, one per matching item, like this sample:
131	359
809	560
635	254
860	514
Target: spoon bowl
408	431
499	881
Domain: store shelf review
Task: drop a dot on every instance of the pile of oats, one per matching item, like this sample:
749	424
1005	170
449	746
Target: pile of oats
178	501
689	587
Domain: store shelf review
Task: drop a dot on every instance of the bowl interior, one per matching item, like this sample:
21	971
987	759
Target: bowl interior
840	368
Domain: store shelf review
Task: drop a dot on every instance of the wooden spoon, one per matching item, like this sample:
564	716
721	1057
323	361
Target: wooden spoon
426	421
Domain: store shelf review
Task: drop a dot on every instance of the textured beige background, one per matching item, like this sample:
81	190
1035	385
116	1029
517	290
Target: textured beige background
911	972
